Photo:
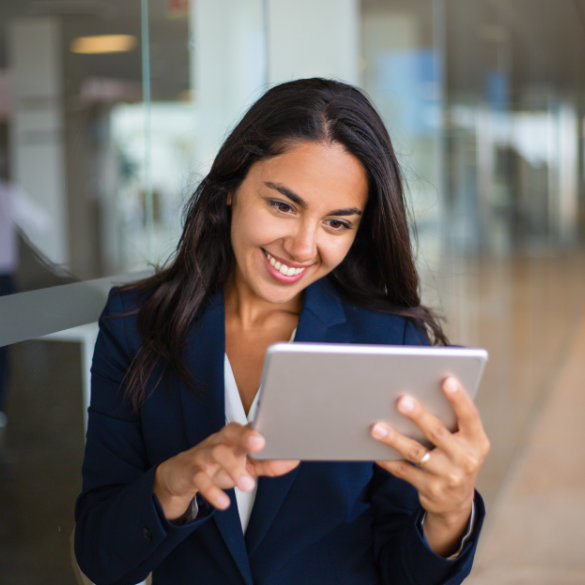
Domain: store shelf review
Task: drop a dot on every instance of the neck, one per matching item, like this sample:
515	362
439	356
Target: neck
245	306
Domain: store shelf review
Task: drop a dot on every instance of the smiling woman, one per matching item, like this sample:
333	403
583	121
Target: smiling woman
298	232
295	217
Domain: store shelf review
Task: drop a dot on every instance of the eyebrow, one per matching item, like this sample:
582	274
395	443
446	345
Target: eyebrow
302	203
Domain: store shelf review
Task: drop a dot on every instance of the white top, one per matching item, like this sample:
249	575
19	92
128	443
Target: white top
234	412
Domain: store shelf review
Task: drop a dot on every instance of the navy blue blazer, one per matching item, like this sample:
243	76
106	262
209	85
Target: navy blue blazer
323	523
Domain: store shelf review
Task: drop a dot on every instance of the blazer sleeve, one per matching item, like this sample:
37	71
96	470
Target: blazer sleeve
121	533
401	549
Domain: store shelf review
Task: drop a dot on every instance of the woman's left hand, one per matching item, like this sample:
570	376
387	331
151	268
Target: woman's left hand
444	476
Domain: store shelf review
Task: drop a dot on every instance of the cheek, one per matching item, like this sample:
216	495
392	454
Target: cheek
334	253
252	228
266	229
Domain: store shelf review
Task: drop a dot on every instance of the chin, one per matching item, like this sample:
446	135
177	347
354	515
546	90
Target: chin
277	297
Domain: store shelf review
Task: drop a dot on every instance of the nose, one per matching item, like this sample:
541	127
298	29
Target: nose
302	245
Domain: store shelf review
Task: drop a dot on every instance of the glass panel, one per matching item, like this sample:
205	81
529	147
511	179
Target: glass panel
104	195
55	142
484	103
40	462
82	155
512	199
402	72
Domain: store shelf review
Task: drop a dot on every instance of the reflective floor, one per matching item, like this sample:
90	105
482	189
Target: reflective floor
527	311
537	527
532	401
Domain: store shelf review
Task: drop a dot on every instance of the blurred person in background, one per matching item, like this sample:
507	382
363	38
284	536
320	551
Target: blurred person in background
19	213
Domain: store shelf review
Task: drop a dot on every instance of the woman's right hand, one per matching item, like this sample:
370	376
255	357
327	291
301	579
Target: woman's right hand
218	463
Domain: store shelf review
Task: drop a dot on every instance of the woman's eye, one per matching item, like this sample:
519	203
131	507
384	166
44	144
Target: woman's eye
338	225
282	207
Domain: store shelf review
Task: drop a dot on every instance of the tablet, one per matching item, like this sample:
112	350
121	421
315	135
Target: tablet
318	401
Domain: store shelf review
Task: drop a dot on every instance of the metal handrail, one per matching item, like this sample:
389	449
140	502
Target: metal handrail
32	314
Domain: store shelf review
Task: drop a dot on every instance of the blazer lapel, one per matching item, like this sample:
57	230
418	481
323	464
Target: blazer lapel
204	407
322	309
204	410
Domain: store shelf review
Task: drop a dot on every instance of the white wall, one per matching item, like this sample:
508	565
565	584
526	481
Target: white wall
228	71
242	47
313	38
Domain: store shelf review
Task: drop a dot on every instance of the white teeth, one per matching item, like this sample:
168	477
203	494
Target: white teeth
283	268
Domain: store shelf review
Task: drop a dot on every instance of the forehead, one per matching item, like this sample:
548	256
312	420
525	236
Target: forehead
322	174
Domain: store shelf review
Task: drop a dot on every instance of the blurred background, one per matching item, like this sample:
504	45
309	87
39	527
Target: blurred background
112	110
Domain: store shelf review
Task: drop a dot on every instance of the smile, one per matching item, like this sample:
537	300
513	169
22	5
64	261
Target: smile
284	269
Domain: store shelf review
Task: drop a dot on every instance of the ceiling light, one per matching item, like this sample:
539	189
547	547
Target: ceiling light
103	44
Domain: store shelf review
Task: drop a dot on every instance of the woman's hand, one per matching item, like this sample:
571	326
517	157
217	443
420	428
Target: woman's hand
445	476
218	463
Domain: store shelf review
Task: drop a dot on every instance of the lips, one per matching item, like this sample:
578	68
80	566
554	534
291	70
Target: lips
282	272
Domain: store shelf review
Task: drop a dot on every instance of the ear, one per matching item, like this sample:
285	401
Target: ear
229	199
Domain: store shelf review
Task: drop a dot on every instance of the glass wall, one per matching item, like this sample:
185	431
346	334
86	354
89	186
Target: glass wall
512	277
106	106
484	101
112	111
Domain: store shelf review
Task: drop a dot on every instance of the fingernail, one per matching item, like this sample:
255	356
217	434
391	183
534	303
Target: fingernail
246	483
222	501
379	431
255	442
450	385
406	404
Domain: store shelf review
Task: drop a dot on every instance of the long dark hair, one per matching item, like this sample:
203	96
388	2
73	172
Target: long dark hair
378	272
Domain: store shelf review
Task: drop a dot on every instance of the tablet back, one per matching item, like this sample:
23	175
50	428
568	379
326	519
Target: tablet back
319	401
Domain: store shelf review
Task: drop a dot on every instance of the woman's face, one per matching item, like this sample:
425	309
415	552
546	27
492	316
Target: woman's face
295	217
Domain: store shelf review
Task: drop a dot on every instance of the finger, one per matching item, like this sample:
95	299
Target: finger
410	449
246	438
254	441
233	433
433	428
215	496
403	470
233	466
436	463
272	468
465	410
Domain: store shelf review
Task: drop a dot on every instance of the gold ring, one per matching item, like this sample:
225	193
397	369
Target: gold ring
424	459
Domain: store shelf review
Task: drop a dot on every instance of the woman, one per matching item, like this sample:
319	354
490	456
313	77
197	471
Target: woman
298	231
